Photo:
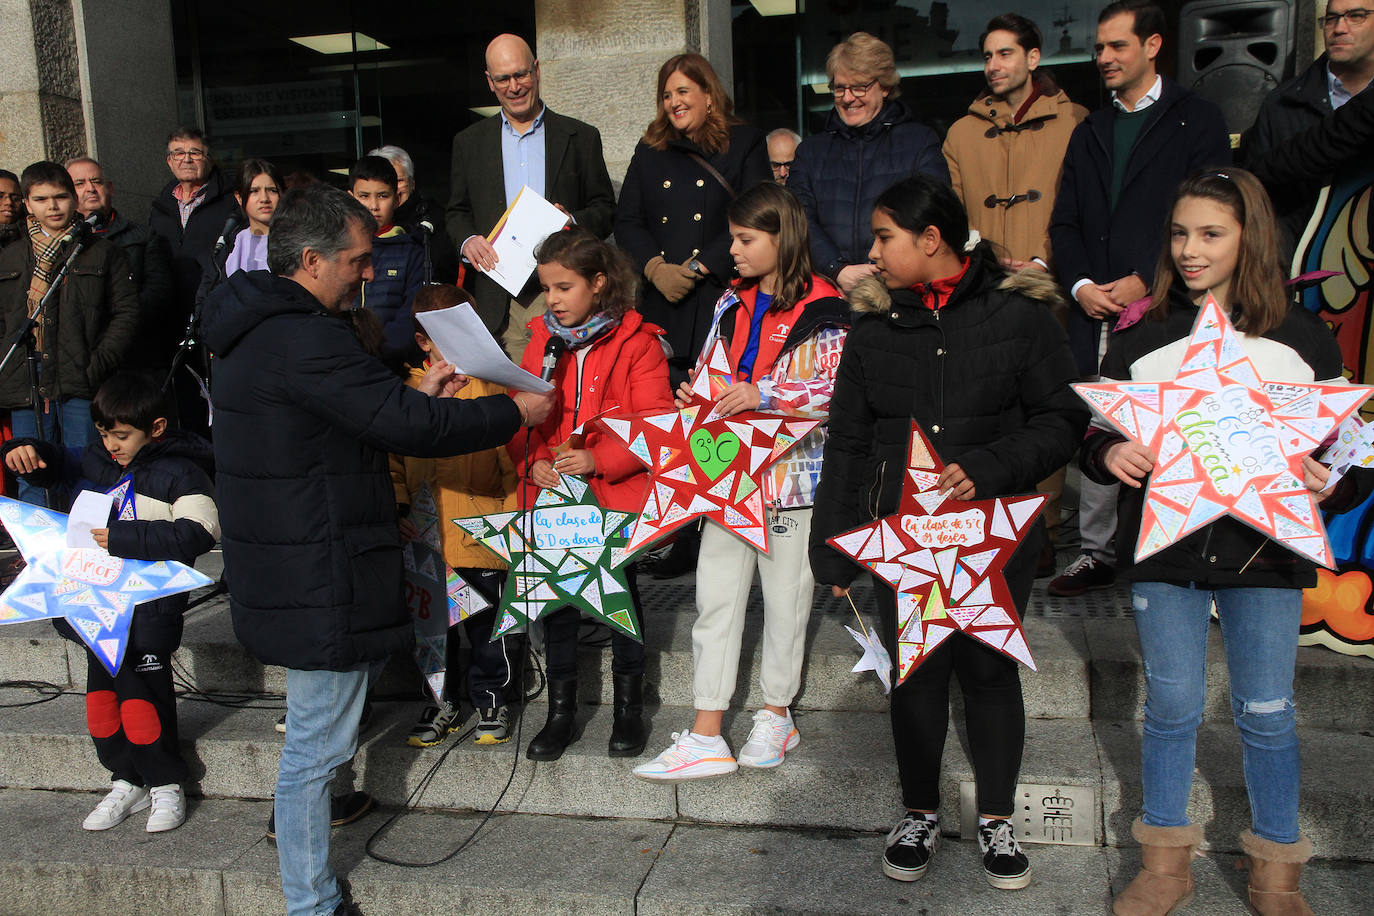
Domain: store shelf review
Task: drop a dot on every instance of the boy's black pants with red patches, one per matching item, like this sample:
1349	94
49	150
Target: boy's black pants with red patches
132	714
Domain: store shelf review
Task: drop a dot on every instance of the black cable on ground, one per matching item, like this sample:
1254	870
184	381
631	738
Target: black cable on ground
47	692
413	801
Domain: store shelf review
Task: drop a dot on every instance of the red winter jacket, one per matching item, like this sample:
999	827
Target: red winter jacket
625	369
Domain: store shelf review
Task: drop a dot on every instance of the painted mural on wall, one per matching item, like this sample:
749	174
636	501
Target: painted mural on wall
1338	613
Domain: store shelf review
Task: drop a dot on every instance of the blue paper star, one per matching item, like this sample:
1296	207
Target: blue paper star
93	590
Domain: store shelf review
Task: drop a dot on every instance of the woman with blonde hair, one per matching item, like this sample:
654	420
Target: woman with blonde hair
871	141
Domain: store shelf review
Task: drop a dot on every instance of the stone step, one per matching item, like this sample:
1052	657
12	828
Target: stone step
220	863
842	775
1088	666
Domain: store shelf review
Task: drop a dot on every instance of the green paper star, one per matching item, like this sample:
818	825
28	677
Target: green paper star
566	550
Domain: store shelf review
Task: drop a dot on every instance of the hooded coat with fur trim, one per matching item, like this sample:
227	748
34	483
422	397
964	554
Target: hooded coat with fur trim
986	375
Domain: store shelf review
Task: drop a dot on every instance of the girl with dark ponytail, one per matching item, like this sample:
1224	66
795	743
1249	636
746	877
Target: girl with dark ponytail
947	338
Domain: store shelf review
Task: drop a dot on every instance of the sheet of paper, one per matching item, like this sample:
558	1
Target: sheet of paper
465	342
529	221
90	510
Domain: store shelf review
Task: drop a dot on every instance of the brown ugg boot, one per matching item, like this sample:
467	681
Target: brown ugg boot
1274	872
1165	882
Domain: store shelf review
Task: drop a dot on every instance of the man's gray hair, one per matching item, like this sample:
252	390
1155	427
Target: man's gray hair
397	156
318	217
783	132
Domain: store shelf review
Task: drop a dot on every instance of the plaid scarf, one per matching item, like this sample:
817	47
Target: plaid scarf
45	251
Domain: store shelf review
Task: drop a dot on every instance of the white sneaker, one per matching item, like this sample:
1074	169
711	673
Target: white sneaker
689	757
169	808
771	737
124	799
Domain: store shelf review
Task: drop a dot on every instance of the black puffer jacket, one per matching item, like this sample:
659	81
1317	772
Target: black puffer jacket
174	504
150	264
839	172
1226	553
987	377
86	338
304	421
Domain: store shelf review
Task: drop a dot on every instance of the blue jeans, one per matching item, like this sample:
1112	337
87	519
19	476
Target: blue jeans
322	713
66	423
1259	627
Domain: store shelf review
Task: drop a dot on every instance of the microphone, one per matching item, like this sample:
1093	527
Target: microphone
552	350
230	226
81	228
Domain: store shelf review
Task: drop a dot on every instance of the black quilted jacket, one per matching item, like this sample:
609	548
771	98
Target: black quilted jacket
987	376
304	422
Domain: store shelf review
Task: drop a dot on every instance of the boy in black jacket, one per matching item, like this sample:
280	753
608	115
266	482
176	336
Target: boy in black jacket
132	714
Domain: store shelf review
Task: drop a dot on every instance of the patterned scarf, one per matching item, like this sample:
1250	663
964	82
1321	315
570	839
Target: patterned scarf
45	251
599	324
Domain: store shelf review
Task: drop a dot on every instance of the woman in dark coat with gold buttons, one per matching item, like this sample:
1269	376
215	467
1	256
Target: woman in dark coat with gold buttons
671	214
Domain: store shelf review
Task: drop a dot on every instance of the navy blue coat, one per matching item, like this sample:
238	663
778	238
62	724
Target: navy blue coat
398	267
174	502
304	422
671	207
838	173
1182	133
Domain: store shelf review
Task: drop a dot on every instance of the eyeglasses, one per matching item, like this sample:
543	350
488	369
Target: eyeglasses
858	91
190	155
1354	17
504	79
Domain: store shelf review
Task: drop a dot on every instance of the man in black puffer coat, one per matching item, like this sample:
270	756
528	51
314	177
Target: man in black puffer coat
304	422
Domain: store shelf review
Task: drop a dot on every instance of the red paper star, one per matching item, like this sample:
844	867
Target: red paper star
944	558
702	465
1227	442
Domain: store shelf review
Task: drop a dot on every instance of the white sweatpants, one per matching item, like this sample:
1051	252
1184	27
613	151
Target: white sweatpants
725	572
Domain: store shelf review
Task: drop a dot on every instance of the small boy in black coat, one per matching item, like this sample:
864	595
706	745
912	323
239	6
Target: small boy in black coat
132	714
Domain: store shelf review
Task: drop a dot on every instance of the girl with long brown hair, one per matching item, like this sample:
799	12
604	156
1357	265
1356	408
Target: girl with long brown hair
1221	241
614	360
783	328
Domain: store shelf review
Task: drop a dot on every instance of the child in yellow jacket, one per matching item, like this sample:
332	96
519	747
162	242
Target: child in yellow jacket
480	483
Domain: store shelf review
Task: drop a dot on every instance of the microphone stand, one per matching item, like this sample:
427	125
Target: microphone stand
24	336
189	340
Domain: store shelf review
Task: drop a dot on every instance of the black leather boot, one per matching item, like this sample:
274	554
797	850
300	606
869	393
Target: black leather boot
553	739
628	735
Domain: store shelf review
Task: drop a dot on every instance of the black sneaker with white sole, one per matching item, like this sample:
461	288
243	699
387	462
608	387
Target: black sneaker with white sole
1005	865
910	846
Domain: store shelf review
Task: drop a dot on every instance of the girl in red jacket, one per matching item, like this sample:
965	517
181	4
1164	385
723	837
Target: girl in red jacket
614	359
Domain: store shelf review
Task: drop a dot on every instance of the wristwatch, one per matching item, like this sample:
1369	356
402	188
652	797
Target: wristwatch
695	267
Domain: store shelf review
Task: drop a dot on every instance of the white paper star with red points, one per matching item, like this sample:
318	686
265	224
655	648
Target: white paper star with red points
944	558
702	465
1227	442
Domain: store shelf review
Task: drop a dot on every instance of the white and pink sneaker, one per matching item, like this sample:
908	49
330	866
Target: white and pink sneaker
690	756
771	737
